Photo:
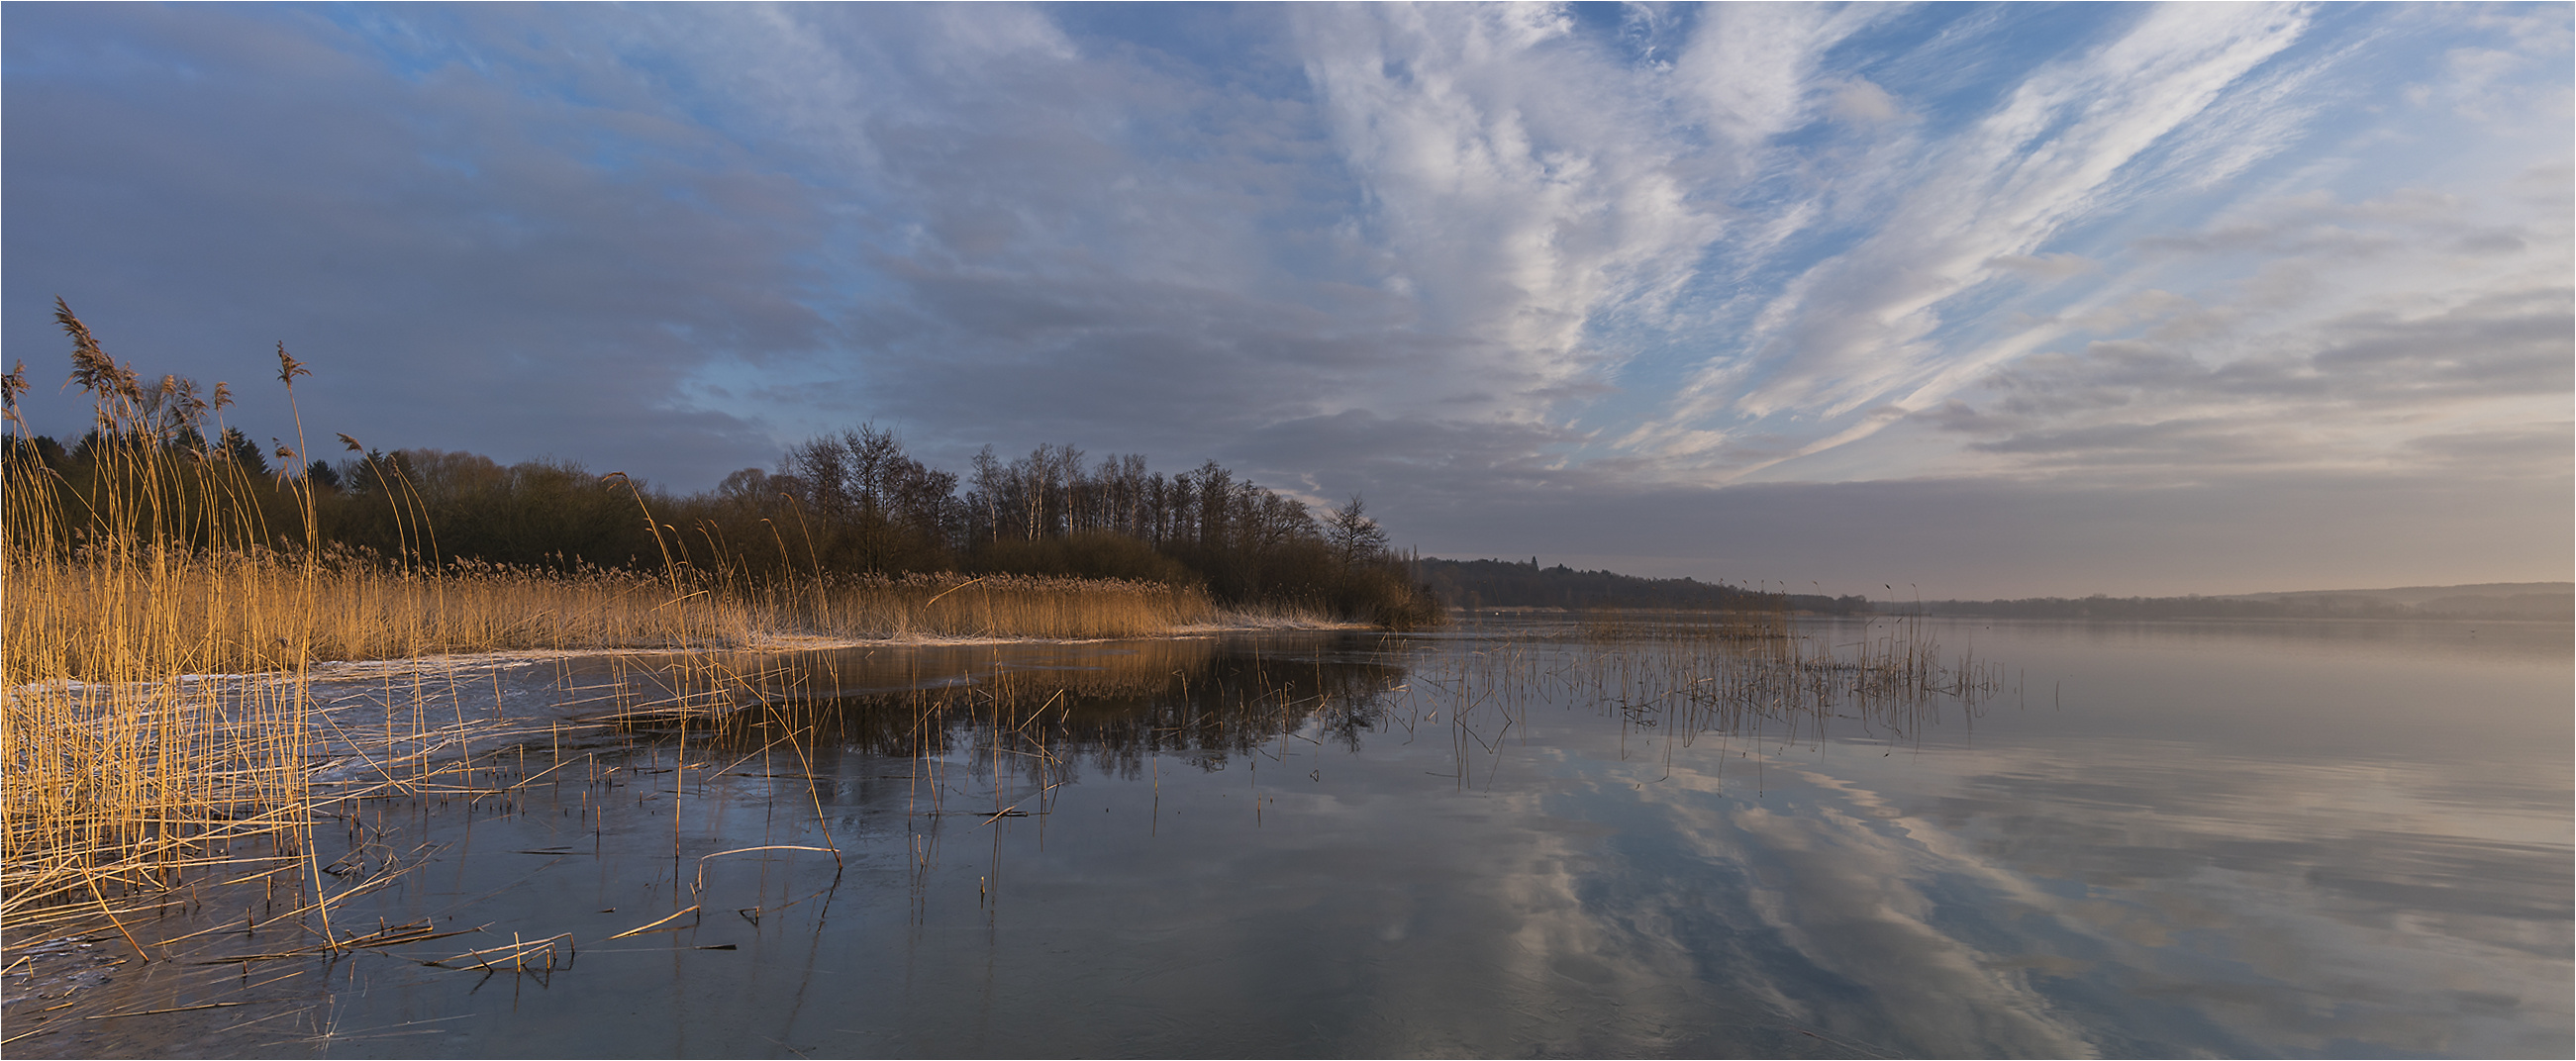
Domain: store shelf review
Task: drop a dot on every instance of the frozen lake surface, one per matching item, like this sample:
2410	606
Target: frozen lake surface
1518	837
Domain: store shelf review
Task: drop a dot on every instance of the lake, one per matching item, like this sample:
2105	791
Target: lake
1512	836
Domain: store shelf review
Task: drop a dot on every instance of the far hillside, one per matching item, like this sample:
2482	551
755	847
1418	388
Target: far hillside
2486	600
1483	584
1477	585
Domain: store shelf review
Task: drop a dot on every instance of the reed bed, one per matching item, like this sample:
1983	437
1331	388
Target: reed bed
1768	665
160	620
1759	676
1622	626
124	765
1889	680
106	617
948	605
155	700
135	755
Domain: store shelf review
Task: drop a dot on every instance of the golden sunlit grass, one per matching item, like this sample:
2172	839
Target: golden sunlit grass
956	606
118	771
130	760
104	617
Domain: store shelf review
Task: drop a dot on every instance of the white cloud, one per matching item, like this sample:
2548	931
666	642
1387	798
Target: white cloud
1947	287
2057	266
2002	189
1483	258
1860	101
1519	181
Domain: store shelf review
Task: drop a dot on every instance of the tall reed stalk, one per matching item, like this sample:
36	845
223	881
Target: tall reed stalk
125	762
161	612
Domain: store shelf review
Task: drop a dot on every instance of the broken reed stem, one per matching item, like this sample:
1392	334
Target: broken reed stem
642	929
515	953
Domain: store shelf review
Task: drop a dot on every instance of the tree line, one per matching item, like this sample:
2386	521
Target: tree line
851	503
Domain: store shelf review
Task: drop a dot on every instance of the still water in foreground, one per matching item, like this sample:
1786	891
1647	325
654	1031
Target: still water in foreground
1508	838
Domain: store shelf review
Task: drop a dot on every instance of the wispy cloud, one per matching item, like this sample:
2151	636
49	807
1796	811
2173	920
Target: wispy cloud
1857	329
1478	261
1520	182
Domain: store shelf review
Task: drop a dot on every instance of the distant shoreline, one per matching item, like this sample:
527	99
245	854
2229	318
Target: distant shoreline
1933	612
1484	587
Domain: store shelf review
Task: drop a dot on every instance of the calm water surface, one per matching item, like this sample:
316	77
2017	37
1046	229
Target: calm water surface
2165	839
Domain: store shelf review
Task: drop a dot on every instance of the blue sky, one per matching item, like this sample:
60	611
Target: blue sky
1981	300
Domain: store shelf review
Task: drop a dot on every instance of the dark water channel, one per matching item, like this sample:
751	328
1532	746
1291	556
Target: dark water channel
1510	839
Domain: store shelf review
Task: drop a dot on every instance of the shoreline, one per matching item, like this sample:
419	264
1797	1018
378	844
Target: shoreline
341	669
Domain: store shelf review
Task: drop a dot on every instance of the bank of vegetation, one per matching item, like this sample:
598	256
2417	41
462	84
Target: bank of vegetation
848	536
151	564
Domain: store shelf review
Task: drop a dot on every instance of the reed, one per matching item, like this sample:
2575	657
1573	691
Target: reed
1016	606
123	764
162	618
1624	625
93	617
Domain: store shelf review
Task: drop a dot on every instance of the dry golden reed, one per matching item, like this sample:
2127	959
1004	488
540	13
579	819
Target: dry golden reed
158	631
1015	606
100	618
121	766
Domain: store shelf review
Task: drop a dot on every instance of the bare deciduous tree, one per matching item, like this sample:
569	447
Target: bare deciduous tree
1354	535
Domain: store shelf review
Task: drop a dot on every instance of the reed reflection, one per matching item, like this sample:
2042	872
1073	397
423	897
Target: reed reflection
1017	723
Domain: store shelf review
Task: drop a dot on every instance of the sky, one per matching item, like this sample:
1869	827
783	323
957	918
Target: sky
1948	300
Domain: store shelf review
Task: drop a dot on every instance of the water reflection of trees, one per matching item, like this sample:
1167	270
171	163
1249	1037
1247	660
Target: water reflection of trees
1042	714
1029	718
